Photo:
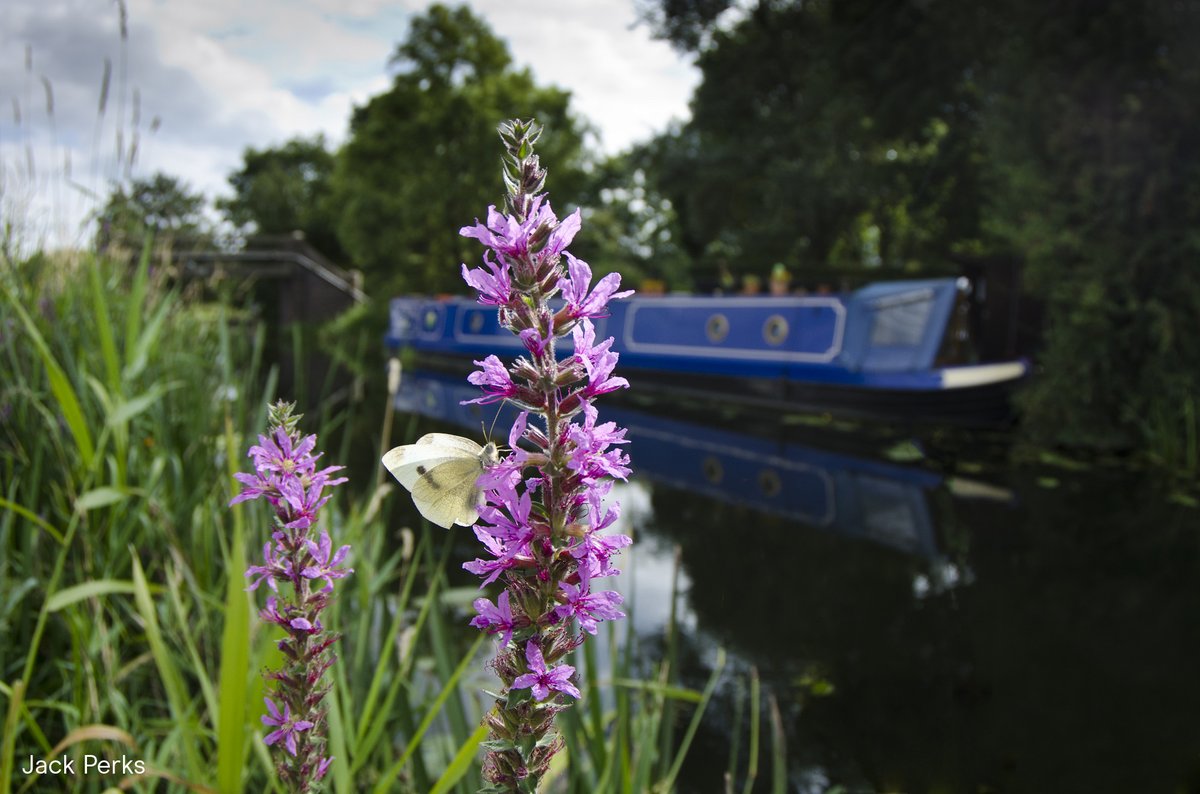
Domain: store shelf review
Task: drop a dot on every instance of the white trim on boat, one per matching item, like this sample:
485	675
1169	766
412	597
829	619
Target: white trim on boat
982	374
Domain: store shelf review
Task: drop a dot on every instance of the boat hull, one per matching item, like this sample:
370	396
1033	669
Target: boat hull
869	354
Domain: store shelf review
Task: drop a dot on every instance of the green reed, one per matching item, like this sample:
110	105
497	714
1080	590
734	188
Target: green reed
124	623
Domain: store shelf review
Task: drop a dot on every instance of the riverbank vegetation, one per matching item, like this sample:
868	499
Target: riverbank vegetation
125	626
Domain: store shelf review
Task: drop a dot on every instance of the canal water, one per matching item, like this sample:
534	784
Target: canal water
929	615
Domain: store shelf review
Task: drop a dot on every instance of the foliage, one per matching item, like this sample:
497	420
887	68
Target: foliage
279	190
629	226
804	149
420	157
824	135
124	623
160	207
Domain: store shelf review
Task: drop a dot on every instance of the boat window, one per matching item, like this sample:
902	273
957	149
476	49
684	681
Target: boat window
899	321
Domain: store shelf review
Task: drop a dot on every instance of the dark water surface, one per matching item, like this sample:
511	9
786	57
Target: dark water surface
929	618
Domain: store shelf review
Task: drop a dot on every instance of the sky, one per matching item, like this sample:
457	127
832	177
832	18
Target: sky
213	77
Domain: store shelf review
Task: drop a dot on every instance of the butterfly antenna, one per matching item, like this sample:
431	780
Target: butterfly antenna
499	408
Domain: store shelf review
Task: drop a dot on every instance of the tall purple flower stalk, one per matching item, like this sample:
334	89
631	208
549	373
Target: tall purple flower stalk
545	509
286	475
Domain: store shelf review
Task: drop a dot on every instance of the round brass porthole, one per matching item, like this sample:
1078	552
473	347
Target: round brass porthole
717	328
769	484
475	324
775	330
714	472
431	319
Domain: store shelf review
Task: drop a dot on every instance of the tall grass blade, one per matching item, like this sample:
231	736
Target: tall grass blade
779	772
755	701
235	664
340	771
137	297
448	689
104	331
667	783
464	760
167	670
385	657
235	649
32	517
8	745
99	497
60	385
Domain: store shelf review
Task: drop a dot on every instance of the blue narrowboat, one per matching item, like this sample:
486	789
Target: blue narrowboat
891	350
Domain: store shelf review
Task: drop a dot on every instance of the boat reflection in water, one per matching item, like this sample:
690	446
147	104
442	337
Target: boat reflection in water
853	496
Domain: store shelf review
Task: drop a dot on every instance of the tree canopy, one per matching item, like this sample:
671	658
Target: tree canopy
160	206
854	133
286	189
420	161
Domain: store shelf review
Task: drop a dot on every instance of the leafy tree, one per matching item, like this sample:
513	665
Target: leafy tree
630	226
420	161
1096	164
802	149
285	189
161	207
853	132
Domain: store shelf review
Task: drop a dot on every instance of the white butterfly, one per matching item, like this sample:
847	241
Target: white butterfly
440	470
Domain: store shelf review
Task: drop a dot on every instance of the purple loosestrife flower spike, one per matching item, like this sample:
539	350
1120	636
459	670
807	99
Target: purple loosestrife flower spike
286	476
545	501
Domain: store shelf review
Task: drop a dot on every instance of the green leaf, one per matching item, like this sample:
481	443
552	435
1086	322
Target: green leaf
31	516
99	497
124	411
904	452
86	590
235	664
498	745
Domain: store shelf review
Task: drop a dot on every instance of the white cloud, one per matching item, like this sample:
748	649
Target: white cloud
222	75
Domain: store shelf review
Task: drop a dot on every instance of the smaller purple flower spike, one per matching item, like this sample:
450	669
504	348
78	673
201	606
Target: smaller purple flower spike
323	567
287	726
540	679
286	476
494	618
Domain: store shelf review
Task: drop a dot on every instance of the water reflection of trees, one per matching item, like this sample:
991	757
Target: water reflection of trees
1066	665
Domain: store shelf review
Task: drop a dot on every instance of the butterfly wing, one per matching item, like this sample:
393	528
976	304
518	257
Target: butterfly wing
409	462
446	494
